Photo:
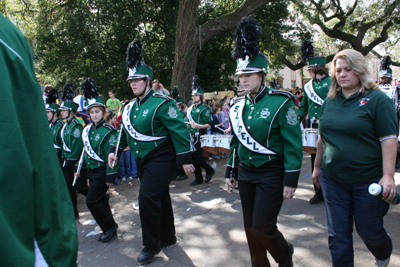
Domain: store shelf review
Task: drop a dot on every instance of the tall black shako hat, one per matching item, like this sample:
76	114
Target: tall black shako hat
134	61
307	54
51	99
196	89
67	98
89	88
246	52
384	69
175	95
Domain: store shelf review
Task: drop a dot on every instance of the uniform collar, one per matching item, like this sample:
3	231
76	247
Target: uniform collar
70	120
259	96
55	122
198	105
143	99
98	125
320	80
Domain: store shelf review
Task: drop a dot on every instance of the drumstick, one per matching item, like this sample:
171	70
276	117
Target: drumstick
220	129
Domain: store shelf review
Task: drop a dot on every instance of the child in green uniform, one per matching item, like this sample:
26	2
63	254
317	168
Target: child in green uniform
97	138
53	112
266	149
72	145
161	144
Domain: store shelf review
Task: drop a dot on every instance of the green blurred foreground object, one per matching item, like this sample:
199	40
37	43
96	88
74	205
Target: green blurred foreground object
36	215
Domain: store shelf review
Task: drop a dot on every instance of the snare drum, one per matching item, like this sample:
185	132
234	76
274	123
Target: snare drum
303	137
226	141
218	140
311	136
207	140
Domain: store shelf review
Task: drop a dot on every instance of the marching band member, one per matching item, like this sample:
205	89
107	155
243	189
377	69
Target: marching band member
53	112
316	91
266	147
72	145
385	81
97	138
162	143
200	118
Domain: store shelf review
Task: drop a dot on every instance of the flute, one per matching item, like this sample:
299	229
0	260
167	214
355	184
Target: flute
118	142
78	170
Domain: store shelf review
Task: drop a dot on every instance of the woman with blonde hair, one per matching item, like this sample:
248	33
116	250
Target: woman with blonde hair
357	147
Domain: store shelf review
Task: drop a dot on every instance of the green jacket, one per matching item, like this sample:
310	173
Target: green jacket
71	135
148	122
36	213
271	120
100	138
56	133
201	114
310	107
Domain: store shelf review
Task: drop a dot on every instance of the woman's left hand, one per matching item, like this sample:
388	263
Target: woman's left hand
188	169
194	125
288	192
389	187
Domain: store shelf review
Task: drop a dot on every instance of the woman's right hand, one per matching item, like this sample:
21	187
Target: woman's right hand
230	184
316	176
111	160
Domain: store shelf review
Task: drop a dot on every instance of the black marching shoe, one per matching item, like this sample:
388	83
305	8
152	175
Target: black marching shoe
148	254
209	176
195	183
317	198
109	234
164	244
288	262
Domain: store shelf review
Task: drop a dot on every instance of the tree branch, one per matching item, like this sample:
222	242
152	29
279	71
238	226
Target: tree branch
228	22
394	63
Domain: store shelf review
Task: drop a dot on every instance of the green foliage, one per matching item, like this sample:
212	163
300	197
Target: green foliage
80	39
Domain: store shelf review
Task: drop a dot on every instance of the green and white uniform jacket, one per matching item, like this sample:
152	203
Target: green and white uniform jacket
71	135
55	131
315	94
264	128
200	114
97	140
151	121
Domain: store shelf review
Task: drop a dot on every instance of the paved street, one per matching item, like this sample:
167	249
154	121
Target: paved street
210	229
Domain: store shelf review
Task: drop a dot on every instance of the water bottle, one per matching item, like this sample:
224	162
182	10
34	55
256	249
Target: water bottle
376	190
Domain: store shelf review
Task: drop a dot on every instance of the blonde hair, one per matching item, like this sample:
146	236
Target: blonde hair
358	65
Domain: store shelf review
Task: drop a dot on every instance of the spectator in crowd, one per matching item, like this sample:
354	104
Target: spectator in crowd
159	88
299	97
111	118
113	103
357	147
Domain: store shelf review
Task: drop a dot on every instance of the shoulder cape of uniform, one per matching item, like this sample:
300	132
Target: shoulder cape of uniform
109	126
237	99
281	92
162	96
76	122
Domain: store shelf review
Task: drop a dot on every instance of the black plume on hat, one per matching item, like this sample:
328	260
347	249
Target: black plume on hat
385	63
89	88
307	50
52	96
175	93
247	38
68	93
134	54
196	83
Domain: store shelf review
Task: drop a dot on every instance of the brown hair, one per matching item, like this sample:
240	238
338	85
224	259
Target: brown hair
109	115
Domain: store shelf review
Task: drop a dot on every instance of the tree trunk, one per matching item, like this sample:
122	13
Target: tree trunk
190	36
187	47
